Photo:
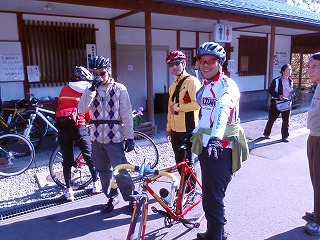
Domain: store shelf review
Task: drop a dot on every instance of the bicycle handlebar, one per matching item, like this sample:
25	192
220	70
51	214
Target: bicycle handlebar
146	170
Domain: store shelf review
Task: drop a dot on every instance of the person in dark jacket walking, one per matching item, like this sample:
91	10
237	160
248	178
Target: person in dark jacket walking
281	89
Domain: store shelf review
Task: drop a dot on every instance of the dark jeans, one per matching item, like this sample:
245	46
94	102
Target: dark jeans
80	136
216	175
273	115
176	141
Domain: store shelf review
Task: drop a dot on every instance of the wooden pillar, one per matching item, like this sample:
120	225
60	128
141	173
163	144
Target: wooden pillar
271	59
22	39
148	36
113	50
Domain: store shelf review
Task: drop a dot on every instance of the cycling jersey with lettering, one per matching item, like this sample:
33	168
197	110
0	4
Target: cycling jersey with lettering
219	101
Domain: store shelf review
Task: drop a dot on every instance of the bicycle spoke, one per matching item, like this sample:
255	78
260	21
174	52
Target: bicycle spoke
16	154
80	173
145	150
192	194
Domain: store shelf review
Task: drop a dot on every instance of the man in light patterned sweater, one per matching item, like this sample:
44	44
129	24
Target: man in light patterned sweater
111	125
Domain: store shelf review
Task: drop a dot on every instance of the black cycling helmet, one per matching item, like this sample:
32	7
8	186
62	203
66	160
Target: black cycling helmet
82	73
99	62
214	49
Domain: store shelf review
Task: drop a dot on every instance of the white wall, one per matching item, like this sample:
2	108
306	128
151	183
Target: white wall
282	44
9	32
135	36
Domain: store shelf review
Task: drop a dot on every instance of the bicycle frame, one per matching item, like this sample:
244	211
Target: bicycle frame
172	211
175	214
38	111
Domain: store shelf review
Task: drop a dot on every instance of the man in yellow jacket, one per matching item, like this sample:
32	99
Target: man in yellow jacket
183	109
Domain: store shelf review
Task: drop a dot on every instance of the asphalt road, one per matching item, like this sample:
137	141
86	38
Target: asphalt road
266	199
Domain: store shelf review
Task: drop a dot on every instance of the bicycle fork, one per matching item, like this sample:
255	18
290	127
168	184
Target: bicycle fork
26	132
139	217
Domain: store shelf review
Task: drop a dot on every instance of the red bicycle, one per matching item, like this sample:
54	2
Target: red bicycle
181	204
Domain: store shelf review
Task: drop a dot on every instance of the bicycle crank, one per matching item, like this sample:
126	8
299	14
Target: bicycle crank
168	222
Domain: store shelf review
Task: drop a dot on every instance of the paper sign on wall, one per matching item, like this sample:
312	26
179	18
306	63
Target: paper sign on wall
11	64
222	33
91	50
33	73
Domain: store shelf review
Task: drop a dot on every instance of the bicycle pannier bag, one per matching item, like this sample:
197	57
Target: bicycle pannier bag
283	106
66	117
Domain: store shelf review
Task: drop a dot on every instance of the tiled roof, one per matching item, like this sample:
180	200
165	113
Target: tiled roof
258	8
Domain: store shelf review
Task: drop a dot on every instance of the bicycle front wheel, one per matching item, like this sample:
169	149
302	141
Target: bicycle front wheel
138	221
145	150
16	154
80	173
191	206
35	135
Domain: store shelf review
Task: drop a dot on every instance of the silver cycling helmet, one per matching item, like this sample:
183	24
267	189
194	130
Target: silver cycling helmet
83	73
99	62
214	49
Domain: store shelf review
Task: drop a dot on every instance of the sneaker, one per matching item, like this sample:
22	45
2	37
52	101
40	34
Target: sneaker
112	202
312	229
203	236
96	188
69	195
266	136
310	215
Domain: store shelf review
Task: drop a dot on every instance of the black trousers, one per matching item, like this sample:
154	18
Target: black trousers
216	176
273	115
176	141
80	136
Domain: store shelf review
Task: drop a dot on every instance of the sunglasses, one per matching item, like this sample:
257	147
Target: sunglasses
210	62
100	74
176	63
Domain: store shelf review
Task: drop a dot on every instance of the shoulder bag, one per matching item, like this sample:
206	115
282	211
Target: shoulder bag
283	106
66	117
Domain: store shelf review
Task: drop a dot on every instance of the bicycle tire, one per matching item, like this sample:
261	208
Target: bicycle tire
35	135
145	150
16	154
138	221
192	192
80	175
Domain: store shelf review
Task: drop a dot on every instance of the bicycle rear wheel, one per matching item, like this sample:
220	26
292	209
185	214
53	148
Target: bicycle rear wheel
16	154
80	173
138	222
192	197
144	150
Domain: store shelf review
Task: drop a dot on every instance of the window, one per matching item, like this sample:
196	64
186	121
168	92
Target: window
252	56
189	54
57	48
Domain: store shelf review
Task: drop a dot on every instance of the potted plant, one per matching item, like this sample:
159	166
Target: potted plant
137	117
298	96
139	124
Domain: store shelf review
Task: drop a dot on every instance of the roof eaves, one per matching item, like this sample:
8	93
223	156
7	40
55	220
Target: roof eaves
258	8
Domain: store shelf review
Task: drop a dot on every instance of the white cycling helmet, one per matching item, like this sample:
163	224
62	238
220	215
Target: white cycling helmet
83	73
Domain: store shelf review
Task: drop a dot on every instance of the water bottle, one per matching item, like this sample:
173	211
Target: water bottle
9	119
165	195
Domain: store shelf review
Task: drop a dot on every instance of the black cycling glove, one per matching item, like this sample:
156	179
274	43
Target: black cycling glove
96	83
214	148
129	145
